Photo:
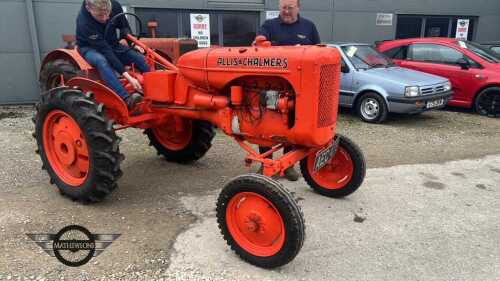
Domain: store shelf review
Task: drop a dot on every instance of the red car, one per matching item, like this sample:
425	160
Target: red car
473	70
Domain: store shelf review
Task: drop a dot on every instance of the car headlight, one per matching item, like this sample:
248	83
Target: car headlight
412	91
447	86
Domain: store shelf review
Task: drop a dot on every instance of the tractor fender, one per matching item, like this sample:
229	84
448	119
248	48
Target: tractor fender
114	105
69	55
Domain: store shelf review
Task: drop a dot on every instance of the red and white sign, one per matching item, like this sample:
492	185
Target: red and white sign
200	29
462	29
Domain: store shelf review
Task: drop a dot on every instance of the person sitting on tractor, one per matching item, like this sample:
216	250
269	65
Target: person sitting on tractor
289	29
104	51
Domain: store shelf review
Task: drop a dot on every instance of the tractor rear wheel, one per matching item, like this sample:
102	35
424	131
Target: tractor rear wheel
181	140
77	145
50	75
342	175
260	221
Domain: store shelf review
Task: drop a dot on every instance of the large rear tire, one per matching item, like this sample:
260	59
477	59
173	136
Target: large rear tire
50	74
260	221
340	177
77	145
187	144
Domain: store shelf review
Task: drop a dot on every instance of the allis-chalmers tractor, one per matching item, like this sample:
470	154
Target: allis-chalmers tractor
260	95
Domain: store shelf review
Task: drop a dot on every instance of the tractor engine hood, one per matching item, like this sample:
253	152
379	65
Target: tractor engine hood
216	67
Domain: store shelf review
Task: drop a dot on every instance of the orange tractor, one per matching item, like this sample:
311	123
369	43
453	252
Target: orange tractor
260	95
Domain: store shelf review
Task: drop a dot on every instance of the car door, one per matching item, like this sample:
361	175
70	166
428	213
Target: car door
443	61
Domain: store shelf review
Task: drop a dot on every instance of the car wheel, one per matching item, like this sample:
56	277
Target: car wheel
371	108
488	102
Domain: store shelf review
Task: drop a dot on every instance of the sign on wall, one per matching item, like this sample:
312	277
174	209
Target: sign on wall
200	29
462	29
272	14
384	19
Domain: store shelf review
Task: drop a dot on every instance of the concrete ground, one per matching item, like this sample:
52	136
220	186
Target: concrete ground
422	221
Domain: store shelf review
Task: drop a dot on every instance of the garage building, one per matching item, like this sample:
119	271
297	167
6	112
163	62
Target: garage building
31	28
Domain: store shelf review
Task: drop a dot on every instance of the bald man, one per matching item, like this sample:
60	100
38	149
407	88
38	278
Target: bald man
290	28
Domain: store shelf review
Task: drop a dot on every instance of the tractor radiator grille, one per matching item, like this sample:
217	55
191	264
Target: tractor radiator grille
326	116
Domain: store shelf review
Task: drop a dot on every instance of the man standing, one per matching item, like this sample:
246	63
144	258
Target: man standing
289	29
103	51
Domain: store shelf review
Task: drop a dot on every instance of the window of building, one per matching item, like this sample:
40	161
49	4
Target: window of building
409	27
227	28
414	26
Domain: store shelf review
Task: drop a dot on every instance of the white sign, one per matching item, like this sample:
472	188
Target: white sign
200	29
272	14
462	28
384	19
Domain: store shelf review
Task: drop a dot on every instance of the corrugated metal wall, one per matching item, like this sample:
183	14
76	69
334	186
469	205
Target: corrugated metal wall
339	20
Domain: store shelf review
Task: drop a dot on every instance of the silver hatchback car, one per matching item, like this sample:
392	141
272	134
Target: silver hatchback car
374	86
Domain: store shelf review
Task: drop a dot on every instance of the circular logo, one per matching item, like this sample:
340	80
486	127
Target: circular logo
74	245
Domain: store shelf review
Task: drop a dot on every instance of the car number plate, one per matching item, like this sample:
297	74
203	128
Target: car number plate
435	103
325	155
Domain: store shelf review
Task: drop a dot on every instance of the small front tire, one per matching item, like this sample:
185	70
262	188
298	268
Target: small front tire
260	221
340	177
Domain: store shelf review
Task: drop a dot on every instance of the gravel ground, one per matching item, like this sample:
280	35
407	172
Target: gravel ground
147	208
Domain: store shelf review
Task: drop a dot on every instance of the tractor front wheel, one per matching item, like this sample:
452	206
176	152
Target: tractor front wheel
342	175
181	140
77	145
260	221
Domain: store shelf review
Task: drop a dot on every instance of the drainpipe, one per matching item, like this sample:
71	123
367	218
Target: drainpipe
33	33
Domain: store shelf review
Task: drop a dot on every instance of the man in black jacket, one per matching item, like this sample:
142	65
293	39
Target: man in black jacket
103	51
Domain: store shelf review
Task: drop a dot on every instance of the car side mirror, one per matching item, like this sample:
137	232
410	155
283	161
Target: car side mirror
463	63
344	68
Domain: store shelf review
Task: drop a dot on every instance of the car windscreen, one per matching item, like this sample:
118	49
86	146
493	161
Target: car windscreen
481	51
364	57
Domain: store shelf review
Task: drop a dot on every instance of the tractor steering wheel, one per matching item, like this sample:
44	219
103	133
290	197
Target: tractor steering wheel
111	23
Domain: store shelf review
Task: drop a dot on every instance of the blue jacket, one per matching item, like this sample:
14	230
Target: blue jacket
90	34
302	32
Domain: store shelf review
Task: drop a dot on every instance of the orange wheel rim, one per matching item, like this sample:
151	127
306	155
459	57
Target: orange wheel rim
335	174
66	148
172	136
255	224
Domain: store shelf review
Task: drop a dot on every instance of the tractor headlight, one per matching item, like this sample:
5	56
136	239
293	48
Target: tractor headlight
447	86
412	91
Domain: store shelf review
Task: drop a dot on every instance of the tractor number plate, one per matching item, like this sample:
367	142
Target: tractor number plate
325	155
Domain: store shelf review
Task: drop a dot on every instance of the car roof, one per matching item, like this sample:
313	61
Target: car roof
400	42
340	44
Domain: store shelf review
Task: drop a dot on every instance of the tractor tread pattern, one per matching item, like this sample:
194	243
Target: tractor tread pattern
358	173
198	146
283	200
56	67
101	140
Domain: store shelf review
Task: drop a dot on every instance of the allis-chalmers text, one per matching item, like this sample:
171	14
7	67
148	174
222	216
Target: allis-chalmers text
256	62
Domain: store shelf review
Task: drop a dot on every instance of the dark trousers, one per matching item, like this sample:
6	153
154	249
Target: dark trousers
98	61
